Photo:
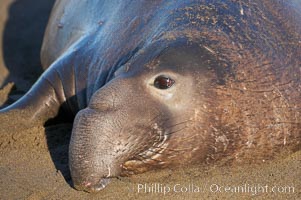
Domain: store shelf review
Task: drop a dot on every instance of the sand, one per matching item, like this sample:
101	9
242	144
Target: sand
34	159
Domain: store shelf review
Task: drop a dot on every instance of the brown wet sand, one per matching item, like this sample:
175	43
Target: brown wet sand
34	159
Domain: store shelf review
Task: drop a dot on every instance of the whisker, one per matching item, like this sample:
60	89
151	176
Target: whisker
175	150
146	158
171	118
153	151
172	132
178	124
153	119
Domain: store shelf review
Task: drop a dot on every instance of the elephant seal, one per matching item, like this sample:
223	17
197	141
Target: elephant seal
154	84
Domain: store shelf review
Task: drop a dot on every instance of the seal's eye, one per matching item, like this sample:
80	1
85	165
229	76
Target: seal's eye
163	82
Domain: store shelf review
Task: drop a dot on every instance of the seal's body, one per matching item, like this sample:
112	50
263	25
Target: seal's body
161	83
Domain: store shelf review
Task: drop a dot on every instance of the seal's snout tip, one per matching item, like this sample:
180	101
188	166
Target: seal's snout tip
90	187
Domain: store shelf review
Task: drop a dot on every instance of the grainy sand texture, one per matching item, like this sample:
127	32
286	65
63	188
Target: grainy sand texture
34	160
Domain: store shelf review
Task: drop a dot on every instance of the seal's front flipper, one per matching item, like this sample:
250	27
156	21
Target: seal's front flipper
53	90
38	104
43	101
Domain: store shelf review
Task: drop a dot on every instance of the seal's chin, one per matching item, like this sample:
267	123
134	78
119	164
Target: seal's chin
93	187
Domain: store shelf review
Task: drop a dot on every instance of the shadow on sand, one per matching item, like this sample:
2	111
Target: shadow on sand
22	41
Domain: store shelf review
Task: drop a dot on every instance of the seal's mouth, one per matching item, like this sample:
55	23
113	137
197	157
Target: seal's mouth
92	187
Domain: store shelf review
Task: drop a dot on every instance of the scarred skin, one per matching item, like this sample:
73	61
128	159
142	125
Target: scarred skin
234	89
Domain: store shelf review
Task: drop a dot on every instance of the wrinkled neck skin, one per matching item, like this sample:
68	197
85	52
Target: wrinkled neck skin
88	52
98	48
109	37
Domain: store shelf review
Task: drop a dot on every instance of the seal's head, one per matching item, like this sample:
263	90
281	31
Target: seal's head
153	113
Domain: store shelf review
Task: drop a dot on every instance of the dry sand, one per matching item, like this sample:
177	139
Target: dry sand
34	160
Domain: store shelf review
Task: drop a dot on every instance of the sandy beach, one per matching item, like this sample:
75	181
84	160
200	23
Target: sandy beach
34	159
